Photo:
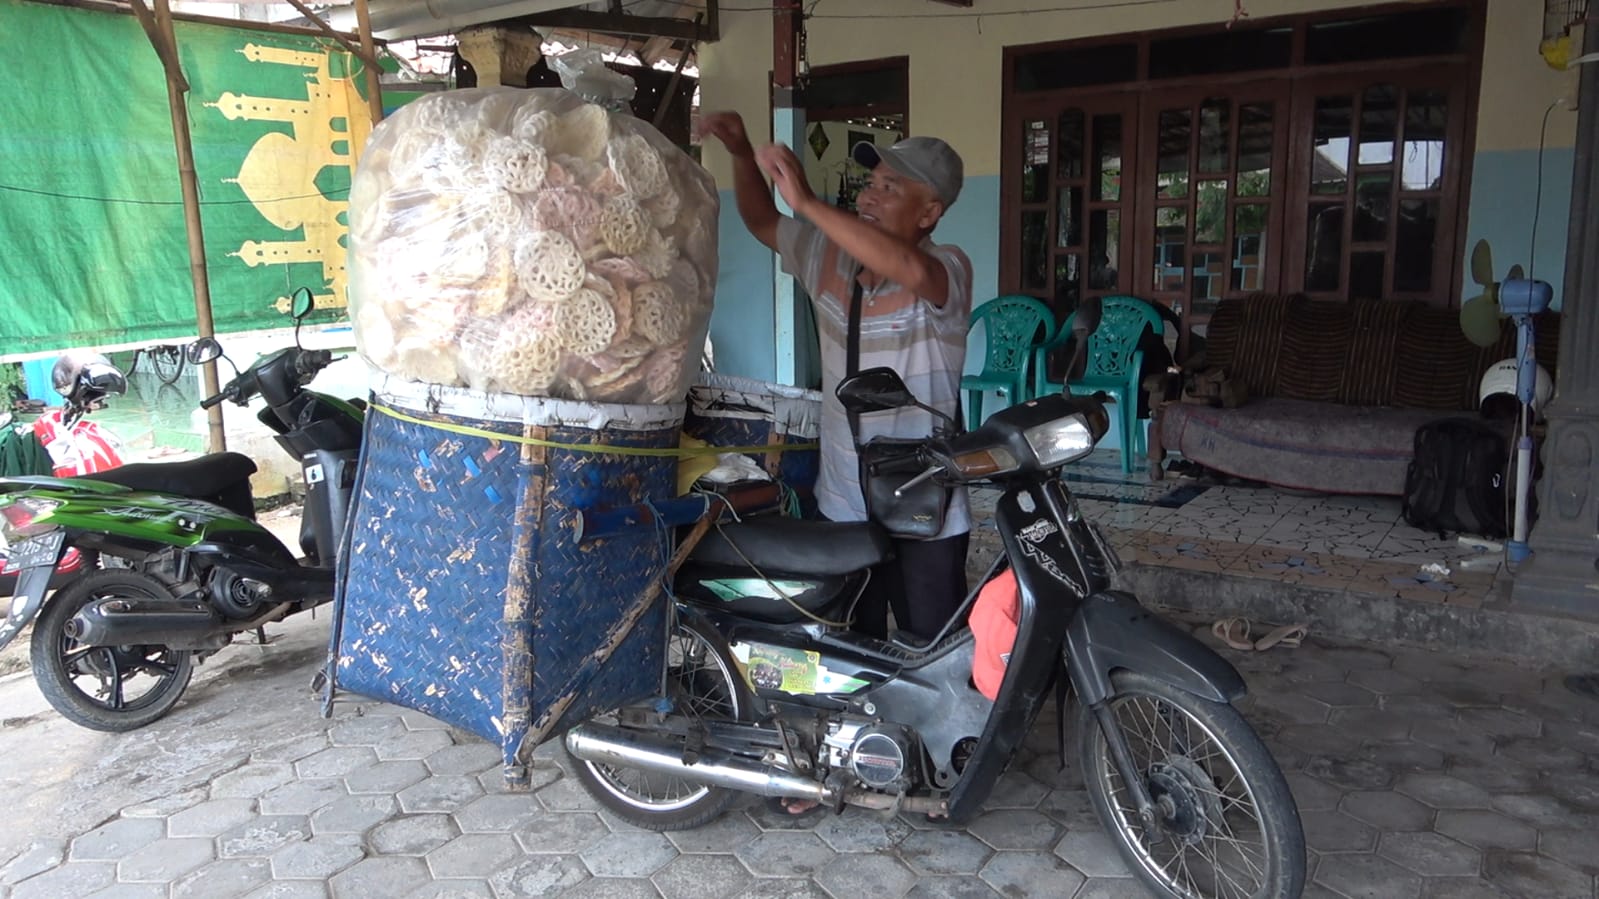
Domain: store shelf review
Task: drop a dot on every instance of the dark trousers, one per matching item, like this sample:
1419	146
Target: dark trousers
924	584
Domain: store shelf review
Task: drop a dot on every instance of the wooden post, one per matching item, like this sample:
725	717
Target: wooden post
165	42
787	25
374	88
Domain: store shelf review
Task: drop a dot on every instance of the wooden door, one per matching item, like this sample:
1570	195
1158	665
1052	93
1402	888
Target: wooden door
1068	215
1211	205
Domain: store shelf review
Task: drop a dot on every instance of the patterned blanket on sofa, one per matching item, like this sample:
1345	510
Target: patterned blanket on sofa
1337	389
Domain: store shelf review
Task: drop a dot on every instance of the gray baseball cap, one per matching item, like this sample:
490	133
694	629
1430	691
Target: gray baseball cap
925	159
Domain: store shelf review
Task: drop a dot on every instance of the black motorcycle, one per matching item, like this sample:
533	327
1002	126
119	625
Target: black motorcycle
184	565
770	694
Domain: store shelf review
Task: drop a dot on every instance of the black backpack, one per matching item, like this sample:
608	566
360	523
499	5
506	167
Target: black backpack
1456	480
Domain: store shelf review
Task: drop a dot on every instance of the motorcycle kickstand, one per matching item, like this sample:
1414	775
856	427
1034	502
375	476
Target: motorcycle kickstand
261	638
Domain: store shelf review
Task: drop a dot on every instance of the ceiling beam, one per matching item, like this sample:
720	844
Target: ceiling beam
633	26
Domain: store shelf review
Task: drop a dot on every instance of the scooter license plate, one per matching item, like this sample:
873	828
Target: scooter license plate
35	552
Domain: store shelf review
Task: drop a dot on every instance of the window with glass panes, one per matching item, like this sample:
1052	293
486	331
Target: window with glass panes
1324	155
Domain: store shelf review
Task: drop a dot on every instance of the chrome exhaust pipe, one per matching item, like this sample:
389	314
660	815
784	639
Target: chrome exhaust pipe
607	745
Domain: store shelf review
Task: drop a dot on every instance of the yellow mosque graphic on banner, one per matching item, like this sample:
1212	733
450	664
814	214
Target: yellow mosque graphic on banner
280	175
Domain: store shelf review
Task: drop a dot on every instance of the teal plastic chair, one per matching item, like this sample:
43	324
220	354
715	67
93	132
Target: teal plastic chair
1112	363
1014	326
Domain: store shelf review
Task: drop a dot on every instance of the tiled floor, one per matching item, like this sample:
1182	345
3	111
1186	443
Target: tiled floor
1353	543
1417	776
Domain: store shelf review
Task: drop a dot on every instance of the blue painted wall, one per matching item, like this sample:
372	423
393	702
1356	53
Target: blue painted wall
1503	194
743	324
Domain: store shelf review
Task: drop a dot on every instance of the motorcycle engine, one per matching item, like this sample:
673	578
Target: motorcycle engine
881	756
238	597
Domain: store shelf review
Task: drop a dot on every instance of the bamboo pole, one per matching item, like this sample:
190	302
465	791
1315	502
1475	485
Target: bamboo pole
166	47
158	39
374	88
364	52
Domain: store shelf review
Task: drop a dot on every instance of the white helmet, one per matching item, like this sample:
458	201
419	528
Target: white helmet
1501	378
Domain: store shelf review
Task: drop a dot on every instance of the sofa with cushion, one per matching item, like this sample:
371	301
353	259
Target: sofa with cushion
1336	390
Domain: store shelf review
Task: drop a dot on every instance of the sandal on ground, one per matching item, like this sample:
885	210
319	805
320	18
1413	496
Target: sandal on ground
1235	632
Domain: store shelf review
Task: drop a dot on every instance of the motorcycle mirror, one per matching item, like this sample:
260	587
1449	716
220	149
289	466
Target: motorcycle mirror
204	350
302	303
874	390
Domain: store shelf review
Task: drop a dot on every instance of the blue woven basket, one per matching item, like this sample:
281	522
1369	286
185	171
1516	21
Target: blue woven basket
466	594
724	410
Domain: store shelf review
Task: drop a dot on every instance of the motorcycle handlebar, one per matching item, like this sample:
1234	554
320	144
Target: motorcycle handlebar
210	401
312	361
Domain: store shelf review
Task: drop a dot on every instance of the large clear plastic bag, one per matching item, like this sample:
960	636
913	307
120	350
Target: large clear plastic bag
531	242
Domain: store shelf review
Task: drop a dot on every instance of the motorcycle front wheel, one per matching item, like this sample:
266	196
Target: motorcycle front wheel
703	682
1226	826
106	688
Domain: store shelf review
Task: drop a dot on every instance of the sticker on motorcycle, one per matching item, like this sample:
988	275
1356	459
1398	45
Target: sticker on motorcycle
798	672
1033	537
1039	530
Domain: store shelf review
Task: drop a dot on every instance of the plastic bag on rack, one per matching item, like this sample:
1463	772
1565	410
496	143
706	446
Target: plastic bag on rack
533	242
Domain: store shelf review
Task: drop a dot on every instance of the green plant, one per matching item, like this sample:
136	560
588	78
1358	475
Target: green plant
12	385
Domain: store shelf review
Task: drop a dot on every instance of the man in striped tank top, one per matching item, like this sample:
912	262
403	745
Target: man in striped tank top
916	296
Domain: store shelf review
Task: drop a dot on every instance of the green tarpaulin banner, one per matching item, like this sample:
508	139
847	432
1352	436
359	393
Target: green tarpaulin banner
93	250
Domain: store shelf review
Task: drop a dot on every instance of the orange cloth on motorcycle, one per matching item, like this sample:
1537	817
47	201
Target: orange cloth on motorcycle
993	624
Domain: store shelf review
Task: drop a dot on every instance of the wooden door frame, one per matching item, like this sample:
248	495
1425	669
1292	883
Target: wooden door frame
1467	67
1049	107
901	64
1453	207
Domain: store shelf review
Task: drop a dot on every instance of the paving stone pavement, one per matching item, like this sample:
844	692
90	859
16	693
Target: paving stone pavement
1417	775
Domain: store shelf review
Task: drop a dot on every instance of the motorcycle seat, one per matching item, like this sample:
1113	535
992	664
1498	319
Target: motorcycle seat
221	478
790	546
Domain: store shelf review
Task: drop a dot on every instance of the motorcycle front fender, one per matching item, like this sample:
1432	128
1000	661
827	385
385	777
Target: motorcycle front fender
26	602
1112	631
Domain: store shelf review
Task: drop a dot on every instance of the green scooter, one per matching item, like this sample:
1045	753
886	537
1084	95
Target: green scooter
184	565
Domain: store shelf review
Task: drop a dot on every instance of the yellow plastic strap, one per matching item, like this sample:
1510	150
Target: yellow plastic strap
680	452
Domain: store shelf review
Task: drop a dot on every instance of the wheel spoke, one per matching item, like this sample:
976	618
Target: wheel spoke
75	653
156	667
701	686
117	699
1214	842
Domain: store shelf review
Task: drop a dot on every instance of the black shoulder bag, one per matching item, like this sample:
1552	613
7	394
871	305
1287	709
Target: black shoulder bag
887	463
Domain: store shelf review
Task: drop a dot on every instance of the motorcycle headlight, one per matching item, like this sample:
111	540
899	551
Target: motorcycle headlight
1060	441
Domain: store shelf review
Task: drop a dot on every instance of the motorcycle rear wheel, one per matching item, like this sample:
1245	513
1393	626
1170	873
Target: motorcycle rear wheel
704	682
1228	827
89	685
